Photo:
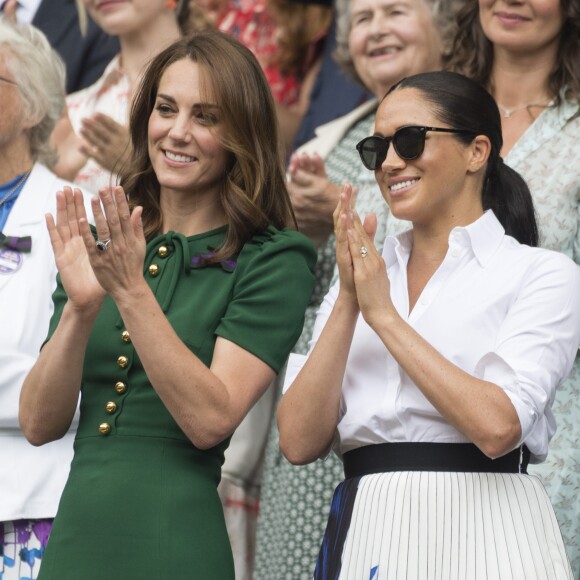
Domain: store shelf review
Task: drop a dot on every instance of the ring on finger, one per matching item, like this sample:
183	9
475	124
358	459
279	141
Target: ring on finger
363	252
103	244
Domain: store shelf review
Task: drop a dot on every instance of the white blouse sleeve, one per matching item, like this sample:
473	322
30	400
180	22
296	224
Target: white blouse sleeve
537	343
297	361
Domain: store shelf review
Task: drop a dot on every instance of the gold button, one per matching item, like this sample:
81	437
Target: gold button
125	336
122	361
120	387
111	407
163	251
154	269
104	428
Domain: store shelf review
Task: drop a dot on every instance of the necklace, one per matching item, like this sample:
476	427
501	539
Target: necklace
507	113
15	188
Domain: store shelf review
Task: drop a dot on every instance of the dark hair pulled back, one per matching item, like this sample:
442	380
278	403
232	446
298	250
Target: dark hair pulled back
464	104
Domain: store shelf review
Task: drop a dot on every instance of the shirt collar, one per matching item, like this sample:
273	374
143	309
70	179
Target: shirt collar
401	243
484	236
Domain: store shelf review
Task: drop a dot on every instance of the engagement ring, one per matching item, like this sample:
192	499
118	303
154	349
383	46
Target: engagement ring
102	244
363	252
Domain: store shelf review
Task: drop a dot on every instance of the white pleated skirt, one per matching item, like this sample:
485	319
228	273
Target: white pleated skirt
442	526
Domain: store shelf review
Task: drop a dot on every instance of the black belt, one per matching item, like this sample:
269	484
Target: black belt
430	457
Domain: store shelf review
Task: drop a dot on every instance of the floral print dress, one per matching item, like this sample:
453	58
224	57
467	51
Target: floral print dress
548	157
22	545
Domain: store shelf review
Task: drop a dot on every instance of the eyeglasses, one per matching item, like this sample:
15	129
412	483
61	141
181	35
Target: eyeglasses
408	142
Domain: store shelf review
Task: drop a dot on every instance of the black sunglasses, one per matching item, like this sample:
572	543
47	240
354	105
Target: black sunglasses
408	142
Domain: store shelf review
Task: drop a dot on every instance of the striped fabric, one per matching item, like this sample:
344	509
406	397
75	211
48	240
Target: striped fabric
15	243
442	526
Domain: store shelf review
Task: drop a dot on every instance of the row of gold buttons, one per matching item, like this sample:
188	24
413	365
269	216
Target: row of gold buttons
120	387
154	269
123	361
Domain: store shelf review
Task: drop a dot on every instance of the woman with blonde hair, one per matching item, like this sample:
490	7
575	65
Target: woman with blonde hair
92	138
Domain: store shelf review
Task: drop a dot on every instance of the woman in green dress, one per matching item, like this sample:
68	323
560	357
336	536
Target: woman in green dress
172	324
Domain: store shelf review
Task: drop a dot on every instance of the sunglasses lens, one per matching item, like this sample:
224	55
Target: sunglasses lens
409	142
373	151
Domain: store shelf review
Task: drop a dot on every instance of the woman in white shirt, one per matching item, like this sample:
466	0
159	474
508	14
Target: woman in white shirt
433	368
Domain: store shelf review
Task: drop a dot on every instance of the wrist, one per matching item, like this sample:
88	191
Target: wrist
82	316
321	234
131	296
383	320
332	195
347	303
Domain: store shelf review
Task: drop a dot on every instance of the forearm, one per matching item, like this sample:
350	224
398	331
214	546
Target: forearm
64	140
479	409
196	398
50	393
308	413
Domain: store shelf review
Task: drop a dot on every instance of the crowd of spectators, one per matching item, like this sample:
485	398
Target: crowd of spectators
71	72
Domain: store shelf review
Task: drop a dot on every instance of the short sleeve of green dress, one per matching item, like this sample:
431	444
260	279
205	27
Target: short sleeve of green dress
141	499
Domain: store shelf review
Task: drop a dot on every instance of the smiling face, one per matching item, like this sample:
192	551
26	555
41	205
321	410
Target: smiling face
392	39
437	185
183	133
528	27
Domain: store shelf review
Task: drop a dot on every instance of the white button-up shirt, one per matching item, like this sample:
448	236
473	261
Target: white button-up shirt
501	311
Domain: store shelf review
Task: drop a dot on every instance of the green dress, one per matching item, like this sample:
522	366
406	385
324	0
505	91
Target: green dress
141	500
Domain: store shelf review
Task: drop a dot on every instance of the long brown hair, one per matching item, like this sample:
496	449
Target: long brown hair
468	50
253	194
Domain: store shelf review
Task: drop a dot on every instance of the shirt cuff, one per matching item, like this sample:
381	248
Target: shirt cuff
494	369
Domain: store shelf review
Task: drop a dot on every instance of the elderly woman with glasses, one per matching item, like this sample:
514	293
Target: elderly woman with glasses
433	366
32	97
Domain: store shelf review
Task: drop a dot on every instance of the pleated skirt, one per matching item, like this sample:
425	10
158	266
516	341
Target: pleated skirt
442	526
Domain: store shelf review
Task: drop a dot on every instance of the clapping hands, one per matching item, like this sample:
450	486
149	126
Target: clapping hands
80	283
313	196
362	270
105	140
87	272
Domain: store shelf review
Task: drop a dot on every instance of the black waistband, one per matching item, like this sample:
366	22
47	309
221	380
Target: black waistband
430	457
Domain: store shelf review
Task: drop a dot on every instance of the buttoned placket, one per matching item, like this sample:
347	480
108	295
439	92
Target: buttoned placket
113	404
